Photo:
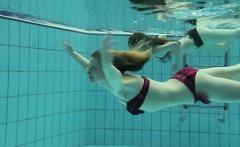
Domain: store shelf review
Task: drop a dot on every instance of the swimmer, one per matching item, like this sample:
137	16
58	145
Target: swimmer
107	67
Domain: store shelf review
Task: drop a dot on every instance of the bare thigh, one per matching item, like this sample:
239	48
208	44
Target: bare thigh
229	72
218	35
218	89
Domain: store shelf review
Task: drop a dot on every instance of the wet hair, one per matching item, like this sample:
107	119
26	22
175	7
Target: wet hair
134	39
127	60
138	36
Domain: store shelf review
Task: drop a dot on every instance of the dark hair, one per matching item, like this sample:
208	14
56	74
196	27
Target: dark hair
138	36
153	41
127	60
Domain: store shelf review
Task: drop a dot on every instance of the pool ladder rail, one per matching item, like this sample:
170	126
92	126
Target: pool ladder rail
221	119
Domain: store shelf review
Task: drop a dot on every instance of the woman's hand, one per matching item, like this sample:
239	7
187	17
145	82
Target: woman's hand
77	56
107	42
68	46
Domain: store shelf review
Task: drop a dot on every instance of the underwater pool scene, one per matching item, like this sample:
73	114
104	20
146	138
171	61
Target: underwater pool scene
47	99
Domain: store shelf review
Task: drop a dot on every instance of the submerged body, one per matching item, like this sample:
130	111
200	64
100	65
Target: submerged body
174	92
213	40
216	40
216	84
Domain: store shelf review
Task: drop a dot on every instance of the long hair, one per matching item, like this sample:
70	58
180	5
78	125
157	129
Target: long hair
127	60
139	41
134	39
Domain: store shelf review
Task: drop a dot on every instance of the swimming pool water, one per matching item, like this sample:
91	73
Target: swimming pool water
47	100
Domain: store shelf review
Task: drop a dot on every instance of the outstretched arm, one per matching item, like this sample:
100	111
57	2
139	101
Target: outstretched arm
112	74
161	50
71	50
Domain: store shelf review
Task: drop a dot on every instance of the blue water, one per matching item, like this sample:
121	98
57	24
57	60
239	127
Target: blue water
47	100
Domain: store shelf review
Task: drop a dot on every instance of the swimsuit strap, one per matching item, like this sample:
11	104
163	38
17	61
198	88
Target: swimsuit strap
134	104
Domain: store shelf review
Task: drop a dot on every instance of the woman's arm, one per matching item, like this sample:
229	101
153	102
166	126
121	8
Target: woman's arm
112	74
175	48
161	50
179	60
71	50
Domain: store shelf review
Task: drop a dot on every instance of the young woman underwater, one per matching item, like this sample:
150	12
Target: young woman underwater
107	67
217	40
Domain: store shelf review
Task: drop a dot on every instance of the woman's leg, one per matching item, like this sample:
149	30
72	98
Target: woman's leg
218	35
217	89
229	72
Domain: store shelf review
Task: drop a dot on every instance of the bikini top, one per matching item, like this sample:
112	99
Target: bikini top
134	104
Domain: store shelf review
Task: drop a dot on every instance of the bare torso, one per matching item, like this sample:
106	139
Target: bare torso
160	94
